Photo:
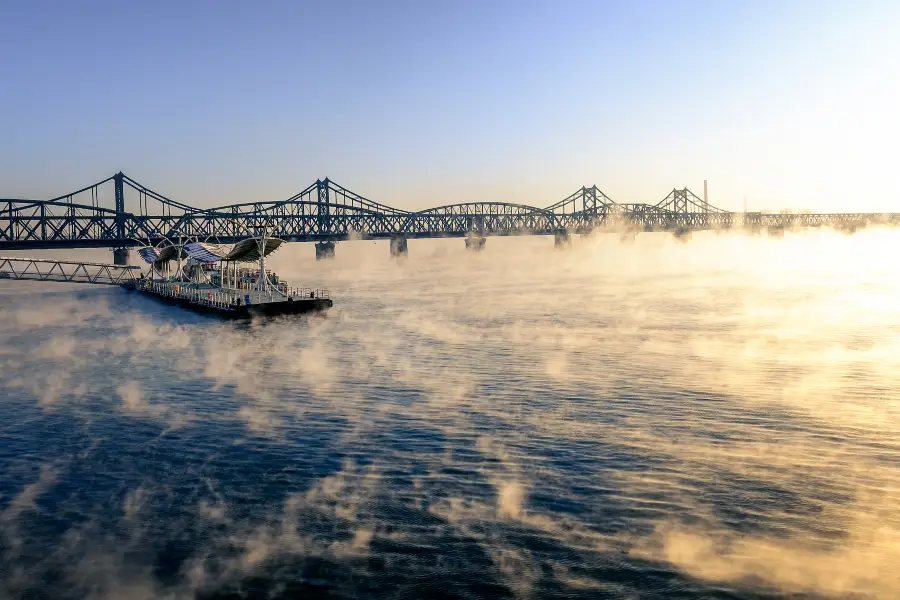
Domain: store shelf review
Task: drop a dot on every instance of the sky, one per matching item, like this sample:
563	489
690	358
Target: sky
787	104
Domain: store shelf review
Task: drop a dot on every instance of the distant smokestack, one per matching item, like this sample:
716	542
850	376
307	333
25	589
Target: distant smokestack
705	199
745	203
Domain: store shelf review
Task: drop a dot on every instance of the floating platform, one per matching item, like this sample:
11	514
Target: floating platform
234	303
212	280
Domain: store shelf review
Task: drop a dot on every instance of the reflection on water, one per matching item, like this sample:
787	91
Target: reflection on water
645	419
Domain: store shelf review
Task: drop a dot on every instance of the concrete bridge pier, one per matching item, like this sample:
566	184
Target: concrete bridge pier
324	250
475	242
561	238
121	256
398	246
776	231
846	228
682	234
753	228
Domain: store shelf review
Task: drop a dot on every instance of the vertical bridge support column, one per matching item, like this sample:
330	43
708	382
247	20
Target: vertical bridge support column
398	246
120	255
561	238
324	250
752	222
475	242
682	234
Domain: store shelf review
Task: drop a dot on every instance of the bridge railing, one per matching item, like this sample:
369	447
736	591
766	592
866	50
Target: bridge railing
37	269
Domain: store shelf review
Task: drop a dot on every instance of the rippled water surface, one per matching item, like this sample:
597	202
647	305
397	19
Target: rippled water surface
619	419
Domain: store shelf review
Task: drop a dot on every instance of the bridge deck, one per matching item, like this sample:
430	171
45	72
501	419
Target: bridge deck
325	211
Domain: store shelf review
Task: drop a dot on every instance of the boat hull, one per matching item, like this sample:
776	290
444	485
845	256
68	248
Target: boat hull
248	311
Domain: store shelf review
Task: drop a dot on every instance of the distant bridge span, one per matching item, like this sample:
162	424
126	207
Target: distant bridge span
119	212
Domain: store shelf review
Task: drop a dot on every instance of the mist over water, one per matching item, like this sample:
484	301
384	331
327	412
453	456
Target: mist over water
617	419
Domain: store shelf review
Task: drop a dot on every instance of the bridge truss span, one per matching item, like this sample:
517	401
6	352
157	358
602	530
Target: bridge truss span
483	218
119	212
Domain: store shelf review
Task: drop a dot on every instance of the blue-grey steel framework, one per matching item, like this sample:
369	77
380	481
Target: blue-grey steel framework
327	211
42	269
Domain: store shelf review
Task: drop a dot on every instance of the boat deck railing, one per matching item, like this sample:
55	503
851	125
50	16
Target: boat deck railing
226	298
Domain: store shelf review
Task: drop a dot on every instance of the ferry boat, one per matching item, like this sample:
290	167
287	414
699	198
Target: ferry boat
213	278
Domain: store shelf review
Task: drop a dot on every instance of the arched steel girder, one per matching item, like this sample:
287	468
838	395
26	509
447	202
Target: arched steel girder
84	189
53	220
450	208
250	207
299	219
482	217
355	198
586	196
59	221
271	209
126	180
684	201
26	204
332	189
156	196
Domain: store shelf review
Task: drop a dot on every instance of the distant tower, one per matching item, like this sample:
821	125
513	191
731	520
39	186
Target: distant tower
745	203
705	198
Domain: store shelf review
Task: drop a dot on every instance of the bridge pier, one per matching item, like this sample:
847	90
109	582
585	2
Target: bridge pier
682	234
121	256
324	250
561	238
752	228
398	246
776	231
475	242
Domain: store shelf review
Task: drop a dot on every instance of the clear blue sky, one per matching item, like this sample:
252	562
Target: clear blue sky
424	103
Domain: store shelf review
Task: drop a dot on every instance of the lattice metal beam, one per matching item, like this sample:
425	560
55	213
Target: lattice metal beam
38	269
327	211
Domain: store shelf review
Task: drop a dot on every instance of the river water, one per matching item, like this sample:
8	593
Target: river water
617	419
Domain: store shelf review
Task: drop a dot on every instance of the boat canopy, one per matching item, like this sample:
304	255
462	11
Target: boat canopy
149	254
243	251
248	250
159	256
205	253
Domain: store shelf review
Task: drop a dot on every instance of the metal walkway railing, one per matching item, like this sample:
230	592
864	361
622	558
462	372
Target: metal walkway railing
38	269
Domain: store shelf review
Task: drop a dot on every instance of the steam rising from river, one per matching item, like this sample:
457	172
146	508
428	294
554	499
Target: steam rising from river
725	410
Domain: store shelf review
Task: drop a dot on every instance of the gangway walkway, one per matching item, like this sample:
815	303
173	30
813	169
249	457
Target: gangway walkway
39	269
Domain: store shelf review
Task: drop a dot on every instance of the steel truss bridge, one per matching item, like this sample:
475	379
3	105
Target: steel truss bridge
119	212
